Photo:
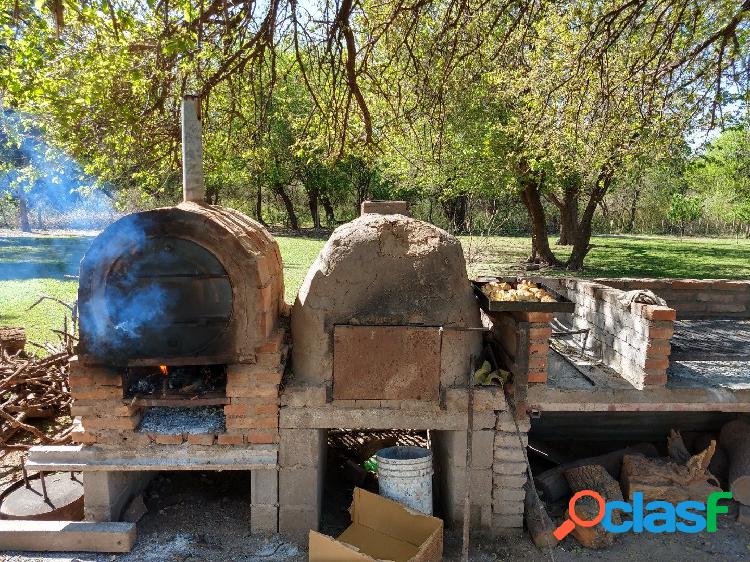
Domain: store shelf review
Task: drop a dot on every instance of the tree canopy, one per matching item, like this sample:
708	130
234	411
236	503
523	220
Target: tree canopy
460	106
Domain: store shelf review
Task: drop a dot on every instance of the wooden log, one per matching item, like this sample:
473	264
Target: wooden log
554	486
719	465
735	439
12	340
538	522
661	479
593	477
676	447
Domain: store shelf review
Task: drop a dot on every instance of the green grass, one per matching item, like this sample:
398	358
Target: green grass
32	266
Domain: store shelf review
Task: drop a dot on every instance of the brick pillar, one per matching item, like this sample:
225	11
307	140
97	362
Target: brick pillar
98	402
302	461
508	474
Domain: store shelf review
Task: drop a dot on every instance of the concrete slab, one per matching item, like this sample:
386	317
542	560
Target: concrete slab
67	536
181	457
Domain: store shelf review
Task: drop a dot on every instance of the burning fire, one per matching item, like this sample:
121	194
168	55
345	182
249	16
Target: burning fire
164	370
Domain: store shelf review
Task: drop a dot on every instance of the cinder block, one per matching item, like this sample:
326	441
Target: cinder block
508	481
302	447
510	468
106	493
503	522
507	495
504	454
300	396
450	447
296	522
506	424
511	440
301	486
264	519
264	487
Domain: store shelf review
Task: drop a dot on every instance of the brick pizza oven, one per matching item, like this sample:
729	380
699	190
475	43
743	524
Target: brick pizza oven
179	307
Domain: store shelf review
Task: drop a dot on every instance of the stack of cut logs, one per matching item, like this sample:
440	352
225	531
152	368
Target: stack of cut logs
32	387
698	464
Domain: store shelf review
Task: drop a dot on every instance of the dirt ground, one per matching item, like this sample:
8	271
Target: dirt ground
201	517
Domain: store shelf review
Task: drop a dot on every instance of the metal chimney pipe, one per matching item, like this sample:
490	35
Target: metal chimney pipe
192	150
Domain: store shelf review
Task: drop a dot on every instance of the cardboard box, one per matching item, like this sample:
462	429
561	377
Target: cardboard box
381	529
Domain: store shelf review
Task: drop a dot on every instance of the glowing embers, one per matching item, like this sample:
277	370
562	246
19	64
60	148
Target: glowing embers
184	382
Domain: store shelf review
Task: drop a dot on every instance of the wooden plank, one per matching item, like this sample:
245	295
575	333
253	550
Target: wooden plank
67	536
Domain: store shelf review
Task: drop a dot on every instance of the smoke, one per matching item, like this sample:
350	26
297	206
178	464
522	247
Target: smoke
43	180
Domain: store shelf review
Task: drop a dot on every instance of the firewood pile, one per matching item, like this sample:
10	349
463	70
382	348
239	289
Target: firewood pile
34	388
697	465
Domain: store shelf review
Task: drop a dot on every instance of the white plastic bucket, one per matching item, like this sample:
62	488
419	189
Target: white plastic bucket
405	475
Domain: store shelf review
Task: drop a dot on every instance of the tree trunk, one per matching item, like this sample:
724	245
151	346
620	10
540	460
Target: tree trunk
633	206
568	216
582	242
23	213
455	211
328	207
539	240
312	201
288	205
259	205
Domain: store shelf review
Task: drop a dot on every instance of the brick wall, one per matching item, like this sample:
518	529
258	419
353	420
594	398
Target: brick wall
104	417
633	340
695	298
527	357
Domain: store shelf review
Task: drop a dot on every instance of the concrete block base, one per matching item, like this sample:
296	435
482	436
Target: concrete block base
107	493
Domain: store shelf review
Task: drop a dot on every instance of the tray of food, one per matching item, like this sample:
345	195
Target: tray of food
510	294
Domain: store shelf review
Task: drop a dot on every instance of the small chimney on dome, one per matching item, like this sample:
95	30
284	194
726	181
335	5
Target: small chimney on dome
385	207
192	150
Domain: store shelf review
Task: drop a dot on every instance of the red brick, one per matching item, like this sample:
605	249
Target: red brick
252	422
538	377
262	377
540	333
655	379
84	437
201	438
659	313
237	409
536	348
690	284
538	362
97	393
102	407
660	333
261	437
728	285
93	422
230	439
653	363
658	349
249	392
164	439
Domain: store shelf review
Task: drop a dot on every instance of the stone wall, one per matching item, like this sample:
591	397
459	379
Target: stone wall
634	340
695	298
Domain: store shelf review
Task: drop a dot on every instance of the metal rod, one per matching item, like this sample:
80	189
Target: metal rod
25	474
44	488
467	475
